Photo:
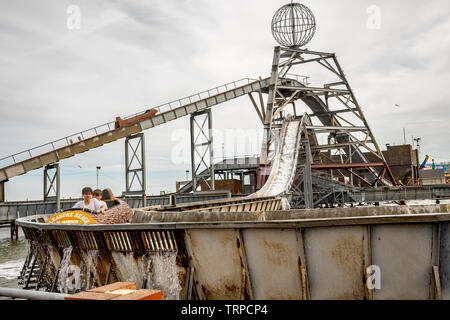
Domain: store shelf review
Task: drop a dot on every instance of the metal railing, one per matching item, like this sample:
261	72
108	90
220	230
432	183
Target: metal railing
86	134
300	78
198	96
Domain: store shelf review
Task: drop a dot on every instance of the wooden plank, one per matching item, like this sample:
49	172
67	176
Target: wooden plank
303	266
437	283
244	265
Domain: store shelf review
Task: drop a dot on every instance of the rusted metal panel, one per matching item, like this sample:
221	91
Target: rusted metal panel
403	252
273	264
335	259
444	260
217	261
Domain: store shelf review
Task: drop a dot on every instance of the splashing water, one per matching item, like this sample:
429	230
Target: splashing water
11	269
130	269
92	258
64	270
162	275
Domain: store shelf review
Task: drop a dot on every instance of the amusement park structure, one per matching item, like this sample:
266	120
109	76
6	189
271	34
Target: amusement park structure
331	167
277	242
335	132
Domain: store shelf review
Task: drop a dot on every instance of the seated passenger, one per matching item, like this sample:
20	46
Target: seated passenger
97	194
89	202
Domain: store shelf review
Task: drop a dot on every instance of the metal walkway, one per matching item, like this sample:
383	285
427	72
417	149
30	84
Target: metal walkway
69	146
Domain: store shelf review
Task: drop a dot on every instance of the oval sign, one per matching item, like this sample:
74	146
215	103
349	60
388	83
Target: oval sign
71	217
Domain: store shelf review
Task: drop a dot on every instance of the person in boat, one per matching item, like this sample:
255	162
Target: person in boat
89	202
97	194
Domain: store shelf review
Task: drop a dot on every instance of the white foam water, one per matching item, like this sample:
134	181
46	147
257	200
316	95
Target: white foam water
130	270
283	170
91	268
163	275
64	269
10	270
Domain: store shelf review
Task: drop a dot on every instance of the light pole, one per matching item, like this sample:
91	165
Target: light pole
417	140
98	168
187	175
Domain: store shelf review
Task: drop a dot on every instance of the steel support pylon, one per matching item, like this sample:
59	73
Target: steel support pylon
52	189
202	153
135	167
2	191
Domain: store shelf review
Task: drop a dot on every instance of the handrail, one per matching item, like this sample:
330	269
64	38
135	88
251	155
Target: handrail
89	133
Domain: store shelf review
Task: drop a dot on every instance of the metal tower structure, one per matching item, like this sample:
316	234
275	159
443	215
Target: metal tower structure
135	175
342	152
202	149
340	136
52	189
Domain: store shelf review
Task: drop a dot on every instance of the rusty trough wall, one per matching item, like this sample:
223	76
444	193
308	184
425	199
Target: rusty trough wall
315	254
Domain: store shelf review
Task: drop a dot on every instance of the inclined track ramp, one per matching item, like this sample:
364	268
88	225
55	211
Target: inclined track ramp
55	151
285	162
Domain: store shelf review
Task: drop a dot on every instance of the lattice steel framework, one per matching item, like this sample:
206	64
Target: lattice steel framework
135	174
202	154
339	134
52	189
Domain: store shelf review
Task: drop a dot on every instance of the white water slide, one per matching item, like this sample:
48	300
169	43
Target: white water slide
285	161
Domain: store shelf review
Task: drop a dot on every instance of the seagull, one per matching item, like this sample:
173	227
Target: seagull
397	105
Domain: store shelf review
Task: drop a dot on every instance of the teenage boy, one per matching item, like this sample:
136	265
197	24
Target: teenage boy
88	202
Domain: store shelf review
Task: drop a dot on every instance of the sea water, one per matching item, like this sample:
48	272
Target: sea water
12	257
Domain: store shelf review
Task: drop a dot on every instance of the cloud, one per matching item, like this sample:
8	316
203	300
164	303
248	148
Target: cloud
134	54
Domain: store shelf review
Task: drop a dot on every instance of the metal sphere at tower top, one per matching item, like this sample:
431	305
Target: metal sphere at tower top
293	25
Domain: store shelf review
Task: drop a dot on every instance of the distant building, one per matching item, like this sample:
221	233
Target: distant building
403	161
431	177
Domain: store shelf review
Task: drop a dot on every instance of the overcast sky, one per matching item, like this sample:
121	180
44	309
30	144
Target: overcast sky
130	55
